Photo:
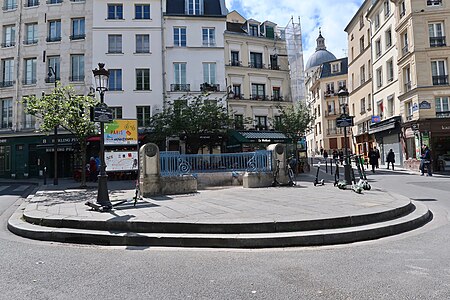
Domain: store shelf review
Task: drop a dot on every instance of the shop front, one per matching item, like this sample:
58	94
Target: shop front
387	134
251	140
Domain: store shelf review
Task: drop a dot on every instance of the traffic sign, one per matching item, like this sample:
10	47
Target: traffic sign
102	114
344	121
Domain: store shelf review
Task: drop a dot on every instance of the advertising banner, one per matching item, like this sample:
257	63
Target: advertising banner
121	132
121	161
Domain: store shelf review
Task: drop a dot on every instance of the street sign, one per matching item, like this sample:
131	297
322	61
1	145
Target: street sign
344	121
102	114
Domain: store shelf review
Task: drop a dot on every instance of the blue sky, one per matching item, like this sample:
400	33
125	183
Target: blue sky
331	15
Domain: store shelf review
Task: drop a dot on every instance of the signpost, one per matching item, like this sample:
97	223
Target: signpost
102	113
344	121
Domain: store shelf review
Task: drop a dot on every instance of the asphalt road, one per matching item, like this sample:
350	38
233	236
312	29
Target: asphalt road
415	265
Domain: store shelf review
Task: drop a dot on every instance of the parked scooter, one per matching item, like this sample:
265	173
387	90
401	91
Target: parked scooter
317	181
362	174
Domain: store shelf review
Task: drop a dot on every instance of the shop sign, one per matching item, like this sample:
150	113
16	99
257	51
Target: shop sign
425	105
376	119
415	107
121	132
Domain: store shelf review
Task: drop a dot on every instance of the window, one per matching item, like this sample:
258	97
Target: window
115	11
361	22
258	91
115	80
276	93
142	79
77	67
143	116
28	120
390	70
7	75
402	10
261	122
6	116
274	62
30	71
379	77
387	9
380	108
404	37
209	73
363	105
235	58
331	108
270	32
142	43
9	4
278	122
256	60
407	78
388	37
442	104
31	33
336	67
54	1
54	31
369	102
439	72
179	70
208	37
409	110
9	36
437	35
194	7
434	2
238	121
237	91
54	63
377	21
253	29
114	43
31	3
116	111
378	48
362	74
330	88
361	45
142	11
342	84
390	106
179	36
78	29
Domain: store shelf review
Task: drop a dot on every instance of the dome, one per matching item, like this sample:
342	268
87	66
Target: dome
321	55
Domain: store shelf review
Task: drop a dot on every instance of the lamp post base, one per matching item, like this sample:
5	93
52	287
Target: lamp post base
348	174
102	194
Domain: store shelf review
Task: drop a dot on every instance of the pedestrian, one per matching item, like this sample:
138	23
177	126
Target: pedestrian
97	163
341	157
425	161
373	159
390	159
321	150
378	156
325	155
92	169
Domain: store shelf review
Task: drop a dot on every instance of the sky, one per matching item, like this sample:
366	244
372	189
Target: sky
331	15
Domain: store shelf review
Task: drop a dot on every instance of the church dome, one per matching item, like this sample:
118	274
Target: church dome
321	55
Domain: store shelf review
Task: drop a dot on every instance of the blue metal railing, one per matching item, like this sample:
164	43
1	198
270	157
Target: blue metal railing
175	164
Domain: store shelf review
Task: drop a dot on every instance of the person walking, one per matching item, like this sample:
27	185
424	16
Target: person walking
390	159
325	155
373	159
425	161
378	156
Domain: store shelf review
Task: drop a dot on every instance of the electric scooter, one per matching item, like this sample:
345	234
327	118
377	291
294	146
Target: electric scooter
317	181
362	174
356	187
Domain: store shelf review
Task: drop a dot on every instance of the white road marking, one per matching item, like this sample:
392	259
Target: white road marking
21	188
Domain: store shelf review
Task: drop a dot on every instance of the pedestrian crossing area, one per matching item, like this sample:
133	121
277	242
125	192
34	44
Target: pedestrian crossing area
13	188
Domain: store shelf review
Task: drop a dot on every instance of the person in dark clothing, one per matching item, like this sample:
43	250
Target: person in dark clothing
390	158
425	161
378	155
92	169
373	159
341	157
325	154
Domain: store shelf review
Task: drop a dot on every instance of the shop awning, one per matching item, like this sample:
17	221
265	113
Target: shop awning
257	136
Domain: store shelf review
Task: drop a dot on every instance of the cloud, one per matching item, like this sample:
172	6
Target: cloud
331	15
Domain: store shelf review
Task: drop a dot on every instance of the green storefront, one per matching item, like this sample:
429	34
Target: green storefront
26	156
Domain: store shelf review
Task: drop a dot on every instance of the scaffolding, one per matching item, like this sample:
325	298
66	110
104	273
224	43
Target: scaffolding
293	35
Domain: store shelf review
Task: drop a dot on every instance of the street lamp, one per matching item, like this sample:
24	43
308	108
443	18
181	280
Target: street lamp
52	72
101	76
343	102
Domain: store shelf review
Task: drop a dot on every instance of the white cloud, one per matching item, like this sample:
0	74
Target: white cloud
332	15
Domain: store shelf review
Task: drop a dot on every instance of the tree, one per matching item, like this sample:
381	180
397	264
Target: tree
63	107
190	117
294	121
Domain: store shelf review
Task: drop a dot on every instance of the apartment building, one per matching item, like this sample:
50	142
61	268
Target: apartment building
127	37
257	74
41	41
360	79
386	123
423	64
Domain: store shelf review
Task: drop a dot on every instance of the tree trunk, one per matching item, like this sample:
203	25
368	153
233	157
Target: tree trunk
83	146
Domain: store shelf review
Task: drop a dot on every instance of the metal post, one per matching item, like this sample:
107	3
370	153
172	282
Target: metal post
102	193
55	143
326	165
347	165
331	166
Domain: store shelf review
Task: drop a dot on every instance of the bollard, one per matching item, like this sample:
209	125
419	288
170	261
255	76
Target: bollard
331	166
326	165
45	175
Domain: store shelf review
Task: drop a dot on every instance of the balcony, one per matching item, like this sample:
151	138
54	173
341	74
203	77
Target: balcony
31	3
9	6
437	41
277	98
274	67
54	1
180	87
78	36
237	97
30	42
256	65
52	79
209	87
8	44
330	113
5	84
259	97
407	86
443	114
405	50
29	81
235	63
440	80
53	39
329	93
77	78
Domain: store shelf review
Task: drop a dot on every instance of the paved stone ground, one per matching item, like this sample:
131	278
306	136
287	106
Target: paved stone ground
217	205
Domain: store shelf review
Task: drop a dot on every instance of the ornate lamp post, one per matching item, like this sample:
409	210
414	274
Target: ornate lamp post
52	72
343	102
101	76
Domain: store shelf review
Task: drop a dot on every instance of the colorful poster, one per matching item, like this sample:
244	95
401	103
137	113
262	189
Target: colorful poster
121	132
121	161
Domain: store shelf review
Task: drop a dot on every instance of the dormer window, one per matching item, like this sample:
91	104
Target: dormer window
270	32
253	29
335	67
194	7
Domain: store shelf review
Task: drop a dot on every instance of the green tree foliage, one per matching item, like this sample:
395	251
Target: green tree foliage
64	108
189	117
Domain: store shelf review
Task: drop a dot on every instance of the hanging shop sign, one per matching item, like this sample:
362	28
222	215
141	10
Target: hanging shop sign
121	132
121	161
376	119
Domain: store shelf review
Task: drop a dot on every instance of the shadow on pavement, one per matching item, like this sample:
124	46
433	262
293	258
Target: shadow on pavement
424	199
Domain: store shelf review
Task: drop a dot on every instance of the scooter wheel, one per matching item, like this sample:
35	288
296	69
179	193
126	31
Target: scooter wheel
315	184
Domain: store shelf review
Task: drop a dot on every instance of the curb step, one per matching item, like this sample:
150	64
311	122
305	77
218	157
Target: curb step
415	219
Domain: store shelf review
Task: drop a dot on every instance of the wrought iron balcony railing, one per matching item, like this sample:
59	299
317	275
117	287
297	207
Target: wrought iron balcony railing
256	65
53	39
5	84
259	97
180	87
405	50
437	41
440	80
54	1
443	114
8	44
407	86
51	79
9	6
78	36
31	3
30	42
209	87
28	81
76	78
